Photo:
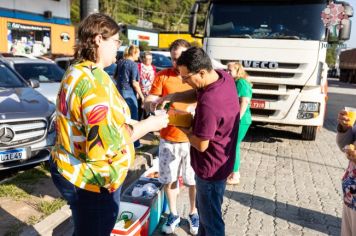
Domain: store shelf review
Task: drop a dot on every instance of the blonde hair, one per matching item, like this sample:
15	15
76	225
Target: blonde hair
130	51
240	71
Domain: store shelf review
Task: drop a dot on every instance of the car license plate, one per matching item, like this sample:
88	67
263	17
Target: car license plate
12	155
257	104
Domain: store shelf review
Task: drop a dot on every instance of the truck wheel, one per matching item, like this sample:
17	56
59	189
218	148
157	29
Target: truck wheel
309	132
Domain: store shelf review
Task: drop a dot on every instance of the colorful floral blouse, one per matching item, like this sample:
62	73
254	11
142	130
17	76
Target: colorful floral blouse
93	147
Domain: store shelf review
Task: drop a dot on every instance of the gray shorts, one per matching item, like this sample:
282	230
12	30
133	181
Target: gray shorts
174	161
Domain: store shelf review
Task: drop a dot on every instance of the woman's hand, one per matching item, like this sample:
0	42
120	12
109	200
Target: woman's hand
152	123
157	122
343	120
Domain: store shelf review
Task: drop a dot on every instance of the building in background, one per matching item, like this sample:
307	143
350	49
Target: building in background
36	27
166	38
154	38
347	66
135	35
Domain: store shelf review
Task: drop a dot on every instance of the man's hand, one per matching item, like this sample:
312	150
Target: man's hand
150	103
200	144
161	102
343	120
187	131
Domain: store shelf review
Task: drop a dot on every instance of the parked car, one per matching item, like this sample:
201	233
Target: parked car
27	121
64	62
47	73
159	60
164	53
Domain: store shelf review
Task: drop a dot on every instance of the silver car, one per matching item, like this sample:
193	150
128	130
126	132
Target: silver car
27	121
47	73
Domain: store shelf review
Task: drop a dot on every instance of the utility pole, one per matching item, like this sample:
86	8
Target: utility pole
87	7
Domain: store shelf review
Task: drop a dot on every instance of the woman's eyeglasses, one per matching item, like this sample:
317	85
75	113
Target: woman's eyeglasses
117	41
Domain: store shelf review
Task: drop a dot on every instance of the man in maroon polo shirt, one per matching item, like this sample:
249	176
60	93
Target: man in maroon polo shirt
214	133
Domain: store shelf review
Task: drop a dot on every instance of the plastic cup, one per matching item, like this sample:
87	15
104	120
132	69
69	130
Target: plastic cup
351	114
160	112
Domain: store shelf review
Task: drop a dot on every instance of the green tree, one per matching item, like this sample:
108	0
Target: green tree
109	7
331	55
143	45
331	52
164	14
75	11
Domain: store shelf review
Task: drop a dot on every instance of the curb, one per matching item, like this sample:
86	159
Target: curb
47	226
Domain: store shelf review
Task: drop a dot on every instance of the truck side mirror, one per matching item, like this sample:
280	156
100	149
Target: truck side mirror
193	19
349	11
345	31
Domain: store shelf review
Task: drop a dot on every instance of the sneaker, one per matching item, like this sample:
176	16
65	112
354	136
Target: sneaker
193	223
171	224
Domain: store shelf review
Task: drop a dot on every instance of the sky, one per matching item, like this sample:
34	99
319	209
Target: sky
352	41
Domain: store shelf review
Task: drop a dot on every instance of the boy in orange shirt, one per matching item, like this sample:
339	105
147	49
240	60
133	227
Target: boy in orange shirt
174	147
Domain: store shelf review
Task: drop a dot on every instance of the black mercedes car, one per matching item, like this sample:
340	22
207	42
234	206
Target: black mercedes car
27	121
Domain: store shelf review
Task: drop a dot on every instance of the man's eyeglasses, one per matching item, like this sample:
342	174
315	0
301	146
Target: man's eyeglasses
188	76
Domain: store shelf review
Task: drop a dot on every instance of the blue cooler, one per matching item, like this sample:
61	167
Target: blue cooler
157	204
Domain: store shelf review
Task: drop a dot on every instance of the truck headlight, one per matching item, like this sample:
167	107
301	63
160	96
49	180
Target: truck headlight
52	123
308	110
309	106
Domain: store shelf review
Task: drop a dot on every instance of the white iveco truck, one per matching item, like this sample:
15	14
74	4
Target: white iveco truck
282	45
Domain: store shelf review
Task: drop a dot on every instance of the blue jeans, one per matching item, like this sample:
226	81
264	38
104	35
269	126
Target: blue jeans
209	200
92	213
131	100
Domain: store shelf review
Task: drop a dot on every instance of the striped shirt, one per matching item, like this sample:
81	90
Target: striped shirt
93	147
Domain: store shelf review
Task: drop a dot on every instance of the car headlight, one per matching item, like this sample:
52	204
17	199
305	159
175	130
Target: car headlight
52	123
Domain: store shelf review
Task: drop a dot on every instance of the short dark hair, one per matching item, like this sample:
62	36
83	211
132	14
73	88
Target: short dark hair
146	53
179	43
89	28
195	59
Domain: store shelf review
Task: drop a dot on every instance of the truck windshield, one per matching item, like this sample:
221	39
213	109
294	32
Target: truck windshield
267	20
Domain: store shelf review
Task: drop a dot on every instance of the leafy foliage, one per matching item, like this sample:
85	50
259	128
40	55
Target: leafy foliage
333	43
144	46
331	55
164	14
74	11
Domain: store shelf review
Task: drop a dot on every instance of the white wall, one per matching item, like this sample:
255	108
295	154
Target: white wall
59	8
